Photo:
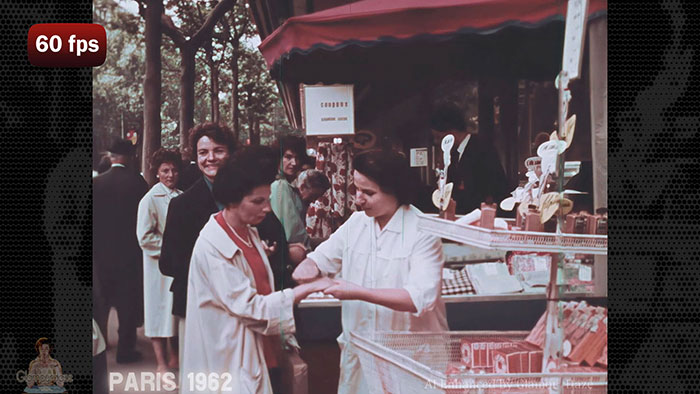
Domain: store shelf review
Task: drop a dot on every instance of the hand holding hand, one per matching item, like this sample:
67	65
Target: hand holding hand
321	284
344	290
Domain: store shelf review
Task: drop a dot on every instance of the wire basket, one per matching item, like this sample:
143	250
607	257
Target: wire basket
526	241
416	362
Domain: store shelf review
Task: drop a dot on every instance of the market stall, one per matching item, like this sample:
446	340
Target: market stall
402	57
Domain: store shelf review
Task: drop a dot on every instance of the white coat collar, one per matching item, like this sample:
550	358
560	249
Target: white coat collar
218	238
160	190
396	223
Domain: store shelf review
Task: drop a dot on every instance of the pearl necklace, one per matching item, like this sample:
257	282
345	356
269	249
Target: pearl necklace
248	243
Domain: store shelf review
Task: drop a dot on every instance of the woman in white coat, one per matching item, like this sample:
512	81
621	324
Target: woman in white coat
159	322
237	324
391	273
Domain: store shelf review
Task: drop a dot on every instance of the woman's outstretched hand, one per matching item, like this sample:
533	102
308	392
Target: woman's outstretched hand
344	290
303	290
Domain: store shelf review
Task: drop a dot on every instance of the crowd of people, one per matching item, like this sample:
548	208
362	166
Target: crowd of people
214	271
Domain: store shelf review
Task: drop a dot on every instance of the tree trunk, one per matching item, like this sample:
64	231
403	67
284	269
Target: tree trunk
254	132
152	89
235	113
213	84
187	76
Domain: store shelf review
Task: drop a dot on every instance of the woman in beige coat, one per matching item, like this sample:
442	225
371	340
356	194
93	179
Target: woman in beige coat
159	322
237	324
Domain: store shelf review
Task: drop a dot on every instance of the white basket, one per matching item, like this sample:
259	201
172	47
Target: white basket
526	241
415	362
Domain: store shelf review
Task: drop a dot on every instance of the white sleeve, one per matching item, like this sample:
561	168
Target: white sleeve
147	227
328	256
425	273
230	287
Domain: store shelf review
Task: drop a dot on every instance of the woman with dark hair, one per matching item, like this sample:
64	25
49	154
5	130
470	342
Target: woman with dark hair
159	322
235	318
284	198
384	261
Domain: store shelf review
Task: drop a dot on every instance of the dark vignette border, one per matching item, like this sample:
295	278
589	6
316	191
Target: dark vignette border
45	149
654	192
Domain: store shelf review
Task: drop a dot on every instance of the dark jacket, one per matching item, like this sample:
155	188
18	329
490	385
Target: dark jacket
271	230
187	215
189	174
115	249
477	176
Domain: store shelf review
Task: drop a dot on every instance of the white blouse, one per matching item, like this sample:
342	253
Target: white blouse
398	256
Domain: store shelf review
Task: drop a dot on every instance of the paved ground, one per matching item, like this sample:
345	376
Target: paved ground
321	356
137	370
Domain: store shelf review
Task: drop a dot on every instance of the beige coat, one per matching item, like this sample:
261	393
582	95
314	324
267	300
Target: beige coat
157	298
226	317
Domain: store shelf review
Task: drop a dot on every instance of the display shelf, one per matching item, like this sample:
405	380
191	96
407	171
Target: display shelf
452	299
416	362
525	241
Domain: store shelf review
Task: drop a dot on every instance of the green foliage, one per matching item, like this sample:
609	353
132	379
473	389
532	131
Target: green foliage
118	83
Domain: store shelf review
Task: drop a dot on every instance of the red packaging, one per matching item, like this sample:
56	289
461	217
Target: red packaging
534	337
488	215
599	343
479	354
581	223
532	219
449	213
496	345
473	356
507	360
535	359
603	360
593	222
530	354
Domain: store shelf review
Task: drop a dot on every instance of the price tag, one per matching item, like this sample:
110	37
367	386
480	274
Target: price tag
419	157
585	273
540	264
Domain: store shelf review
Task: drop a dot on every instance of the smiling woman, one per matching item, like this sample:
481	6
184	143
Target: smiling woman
212	144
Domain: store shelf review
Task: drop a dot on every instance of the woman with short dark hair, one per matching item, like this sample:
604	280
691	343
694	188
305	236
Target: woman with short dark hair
235	318
284	197
383	260
159	322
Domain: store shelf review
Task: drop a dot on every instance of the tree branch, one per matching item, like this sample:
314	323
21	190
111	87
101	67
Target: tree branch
172	31
208	25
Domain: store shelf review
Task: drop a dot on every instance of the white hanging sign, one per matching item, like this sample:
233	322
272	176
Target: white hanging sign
576	17
328	110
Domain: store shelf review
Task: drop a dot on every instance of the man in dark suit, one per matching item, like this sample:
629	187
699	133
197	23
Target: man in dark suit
116	253
475	168
188	213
